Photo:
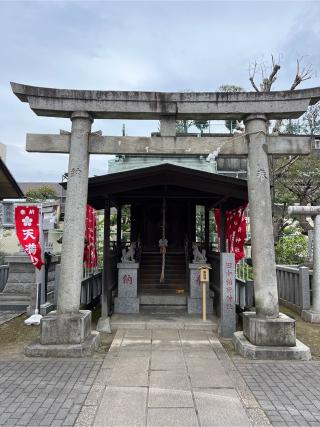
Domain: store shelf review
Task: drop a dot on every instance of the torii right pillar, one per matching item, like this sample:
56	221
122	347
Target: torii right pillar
266	332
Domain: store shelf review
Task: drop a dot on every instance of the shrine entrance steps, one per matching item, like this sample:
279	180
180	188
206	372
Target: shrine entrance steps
150	271
164	317
172	294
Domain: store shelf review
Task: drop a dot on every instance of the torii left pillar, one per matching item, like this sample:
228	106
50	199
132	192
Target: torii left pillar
67	332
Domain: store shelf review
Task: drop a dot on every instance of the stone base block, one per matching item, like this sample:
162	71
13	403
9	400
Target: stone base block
65	328
84	349
46	308
104	325
269	332
126	305
251	351
195	305
310	316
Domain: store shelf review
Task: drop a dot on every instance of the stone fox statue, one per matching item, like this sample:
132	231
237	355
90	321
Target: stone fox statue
128	256
197	255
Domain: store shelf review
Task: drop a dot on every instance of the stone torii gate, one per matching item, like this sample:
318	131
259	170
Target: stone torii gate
312	315
70	326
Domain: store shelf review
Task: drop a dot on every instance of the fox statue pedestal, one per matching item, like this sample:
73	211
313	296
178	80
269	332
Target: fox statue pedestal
127	300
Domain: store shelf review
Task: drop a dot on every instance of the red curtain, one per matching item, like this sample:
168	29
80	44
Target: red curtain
90	248
236	230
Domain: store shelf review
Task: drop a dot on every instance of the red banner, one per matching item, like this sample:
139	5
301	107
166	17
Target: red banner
236	230
90	249
28	232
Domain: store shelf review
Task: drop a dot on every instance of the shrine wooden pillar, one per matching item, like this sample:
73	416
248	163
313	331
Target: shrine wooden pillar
206	228
119	215
223	241
191	221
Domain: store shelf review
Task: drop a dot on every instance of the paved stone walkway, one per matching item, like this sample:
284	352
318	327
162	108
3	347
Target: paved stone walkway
165	378
289	392
5	316
44	392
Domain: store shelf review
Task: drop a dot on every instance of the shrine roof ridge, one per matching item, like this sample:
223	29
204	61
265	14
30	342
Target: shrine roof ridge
153	105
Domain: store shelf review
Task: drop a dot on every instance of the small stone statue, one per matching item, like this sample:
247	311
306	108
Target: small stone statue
128	256
240	128
198	257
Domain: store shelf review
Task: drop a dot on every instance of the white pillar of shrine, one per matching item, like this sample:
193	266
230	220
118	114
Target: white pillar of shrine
264	266
75	214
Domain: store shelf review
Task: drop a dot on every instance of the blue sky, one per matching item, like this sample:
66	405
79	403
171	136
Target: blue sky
154	45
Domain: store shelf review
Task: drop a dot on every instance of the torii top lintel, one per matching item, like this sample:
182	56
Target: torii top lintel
154	105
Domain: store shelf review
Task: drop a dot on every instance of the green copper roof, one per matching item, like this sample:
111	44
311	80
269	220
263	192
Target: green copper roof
125	163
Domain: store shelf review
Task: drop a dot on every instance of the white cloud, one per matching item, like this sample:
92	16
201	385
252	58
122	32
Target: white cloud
168	46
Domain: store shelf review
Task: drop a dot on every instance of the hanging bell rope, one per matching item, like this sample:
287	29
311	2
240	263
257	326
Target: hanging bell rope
163	242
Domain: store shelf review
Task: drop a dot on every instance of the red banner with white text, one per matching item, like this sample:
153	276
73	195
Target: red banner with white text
28	232
90	248
236	230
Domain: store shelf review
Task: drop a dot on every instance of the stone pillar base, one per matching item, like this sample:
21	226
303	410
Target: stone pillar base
126	305
251	351
269	332
127	300
104	325
310	316
46	308
195	305
84	349
65	335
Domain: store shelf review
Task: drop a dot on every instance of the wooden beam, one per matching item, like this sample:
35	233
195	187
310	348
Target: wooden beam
233	146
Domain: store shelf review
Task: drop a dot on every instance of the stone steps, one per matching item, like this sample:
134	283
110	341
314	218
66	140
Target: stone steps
160	299
150	270
14	302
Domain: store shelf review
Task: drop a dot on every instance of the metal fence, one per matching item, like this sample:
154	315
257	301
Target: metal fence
244	294
91	288
4	271
295	287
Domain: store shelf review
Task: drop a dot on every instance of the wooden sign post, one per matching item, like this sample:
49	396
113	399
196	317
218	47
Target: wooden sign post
204	280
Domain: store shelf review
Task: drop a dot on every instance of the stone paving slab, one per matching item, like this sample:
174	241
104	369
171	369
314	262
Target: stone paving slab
220	407
169	398
173	417
288	392
180	382
122	406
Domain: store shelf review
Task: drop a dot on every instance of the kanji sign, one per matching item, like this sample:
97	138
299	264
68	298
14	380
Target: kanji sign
227	294
28	232
204	275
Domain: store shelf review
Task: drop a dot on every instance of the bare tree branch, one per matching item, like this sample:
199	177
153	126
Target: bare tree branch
254	85
252	73
305	74
283	169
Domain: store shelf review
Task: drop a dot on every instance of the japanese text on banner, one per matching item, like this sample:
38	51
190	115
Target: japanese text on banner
28	233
